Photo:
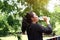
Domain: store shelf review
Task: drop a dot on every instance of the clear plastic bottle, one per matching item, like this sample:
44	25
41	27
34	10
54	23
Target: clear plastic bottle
41	18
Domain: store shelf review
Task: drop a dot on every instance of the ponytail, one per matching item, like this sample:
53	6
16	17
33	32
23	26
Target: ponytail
26	22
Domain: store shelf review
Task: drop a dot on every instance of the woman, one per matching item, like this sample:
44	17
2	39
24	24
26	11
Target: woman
35	30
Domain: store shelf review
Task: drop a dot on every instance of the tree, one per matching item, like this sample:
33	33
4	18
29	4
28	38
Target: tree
9	17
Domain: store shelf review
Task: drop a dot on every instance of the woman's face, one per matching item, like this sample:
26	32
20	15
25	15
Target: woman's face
35	17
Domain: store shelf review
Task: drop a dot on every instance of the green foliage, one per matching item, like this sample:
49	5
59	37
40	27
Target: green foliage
3	29
10	20
11	13
9	17
13	22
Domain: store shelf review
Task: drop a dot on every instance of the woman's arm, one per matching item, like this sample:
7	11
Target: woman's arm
47	29
42	29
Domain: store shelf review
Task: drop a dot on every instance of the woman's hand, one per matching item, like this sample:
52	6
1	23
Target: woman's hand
46	19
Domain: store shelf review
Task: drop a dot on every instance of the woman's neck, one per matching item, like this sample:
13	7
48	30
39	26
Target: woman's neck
34	22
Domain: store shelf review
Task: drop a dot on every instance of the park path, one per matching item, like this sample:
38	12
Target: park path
24	37
8	38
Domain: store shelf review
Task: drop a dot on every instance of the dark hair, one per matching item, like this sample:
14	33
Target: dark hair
29	16
26	22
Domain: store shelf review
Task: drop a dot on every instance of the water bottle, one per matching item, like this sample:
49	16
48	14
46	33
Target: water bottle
41	18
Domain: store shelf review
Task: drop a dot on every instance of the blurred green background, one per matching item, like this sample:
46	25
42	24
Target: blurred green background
12	11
